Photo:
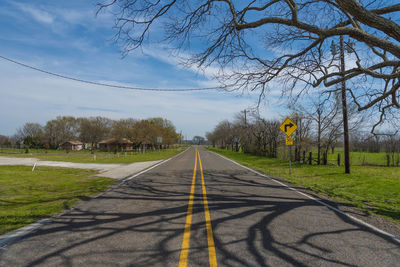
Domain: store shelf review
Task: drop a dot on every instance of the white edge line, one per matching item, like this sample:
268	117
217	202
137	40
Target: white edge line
318	201
9	238
152	167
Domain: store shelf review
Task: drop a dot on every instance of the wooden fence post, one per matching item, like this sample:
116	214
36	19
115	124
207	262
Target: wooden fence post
310	159
338	159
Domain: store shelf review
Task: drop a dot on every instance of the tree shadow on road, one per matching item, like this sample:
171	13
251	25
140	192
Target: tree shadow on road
256	223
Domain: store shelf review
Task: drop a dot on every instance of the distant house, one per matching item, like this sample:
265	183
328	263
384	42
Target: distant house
72	145
116	144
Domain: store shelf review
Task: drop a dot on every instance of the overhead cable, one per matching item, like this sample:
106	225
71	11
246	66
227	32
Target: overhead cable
111	85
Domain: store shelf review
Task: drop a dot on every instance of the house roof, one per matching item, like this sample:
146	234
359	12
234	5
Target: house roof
73	143
116	141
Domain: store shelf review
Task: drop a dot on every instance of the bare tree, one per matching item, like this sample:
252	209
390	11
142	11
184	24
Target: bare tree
242	131
93	130
5	141
325	113
288	41
124	128
264	136
167	130
223	134
199	140
391	145
60	130
273	136
302	136
31	134
211	138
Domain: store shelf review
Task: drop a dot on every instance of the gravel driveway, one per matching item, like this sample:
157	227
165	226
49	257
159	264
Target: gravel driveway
116	171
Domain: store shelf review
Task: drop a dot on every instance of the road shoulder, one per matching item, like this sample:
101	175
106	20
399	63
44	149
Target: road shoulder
372	221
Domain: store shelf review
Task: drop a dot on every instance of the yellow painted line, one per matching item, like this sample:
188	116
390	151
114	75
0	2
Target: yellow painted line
210	239
186	235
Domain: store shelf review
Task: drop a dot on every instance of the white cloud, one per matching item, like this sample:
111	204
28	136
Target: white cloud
163	53
38	14
28	96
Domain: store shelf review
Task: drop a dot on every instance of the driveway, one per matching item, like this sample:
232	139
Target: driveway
116	171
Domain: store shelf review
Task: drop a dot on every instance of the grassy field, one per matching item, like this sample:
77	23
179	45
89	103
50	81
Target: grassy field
362	158
373	189
97	157
356	158
27	196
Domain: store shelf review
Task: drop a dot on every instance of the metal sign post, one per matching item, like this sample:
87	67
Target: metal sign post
289	143
235	140
159	141
290	161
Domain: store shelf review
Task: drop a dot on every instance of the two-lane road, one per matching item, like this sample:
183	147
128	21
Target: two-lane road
200	209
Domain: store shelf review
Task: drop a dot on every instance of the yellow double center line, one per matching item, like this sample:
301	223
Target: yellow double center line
186	235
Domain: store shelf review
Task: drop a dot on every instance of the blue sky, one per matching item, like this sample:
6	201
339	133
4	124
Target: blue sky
66	37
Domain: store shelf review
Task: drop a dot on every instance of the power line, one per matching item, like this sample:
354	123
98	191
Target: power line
111	85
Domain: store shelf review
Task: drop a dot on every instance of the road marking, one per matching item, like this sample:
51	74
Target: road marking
210	239
186	235
152	167
370	226
9	238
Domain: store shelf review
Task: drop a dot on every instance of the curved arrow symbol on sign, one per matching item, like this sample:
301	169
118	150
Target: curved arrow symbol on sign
290	125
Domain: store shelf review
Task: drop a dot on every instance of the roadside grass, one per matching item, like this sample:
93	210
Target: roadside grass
372	189
26	196
356	158
101	157
40	151
360	158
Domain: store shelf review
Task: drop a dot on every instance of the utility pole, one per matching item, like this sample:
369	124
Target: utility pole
245	131
344	110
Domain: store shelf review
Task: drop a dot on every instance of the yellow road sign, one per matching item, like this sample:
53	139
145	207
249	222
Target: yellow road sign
289	141
288	127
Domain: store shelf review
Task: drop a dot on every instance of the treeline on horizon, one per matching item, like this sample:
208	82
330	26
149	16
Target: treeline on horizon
319	130
91	131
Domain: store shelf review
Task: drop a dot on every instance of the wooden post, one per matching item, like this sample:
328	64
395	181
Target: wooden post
338	159
304	156
310	159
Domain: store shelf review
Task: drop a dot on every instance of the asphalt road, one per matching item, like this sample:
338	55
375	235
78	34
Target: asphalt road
159	218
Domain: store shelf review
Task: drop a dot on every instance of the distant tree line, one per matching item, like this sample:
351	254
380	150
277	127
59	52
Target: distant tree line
91	131
319	129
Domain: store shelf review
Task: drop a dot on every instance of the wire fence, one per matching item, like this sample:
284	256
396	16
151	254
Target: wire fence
356	159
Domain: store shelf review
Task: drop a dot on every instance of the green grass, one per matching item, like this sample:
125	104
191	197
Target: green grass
101	157
373	189
356	158
360	158
27	196
39	151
